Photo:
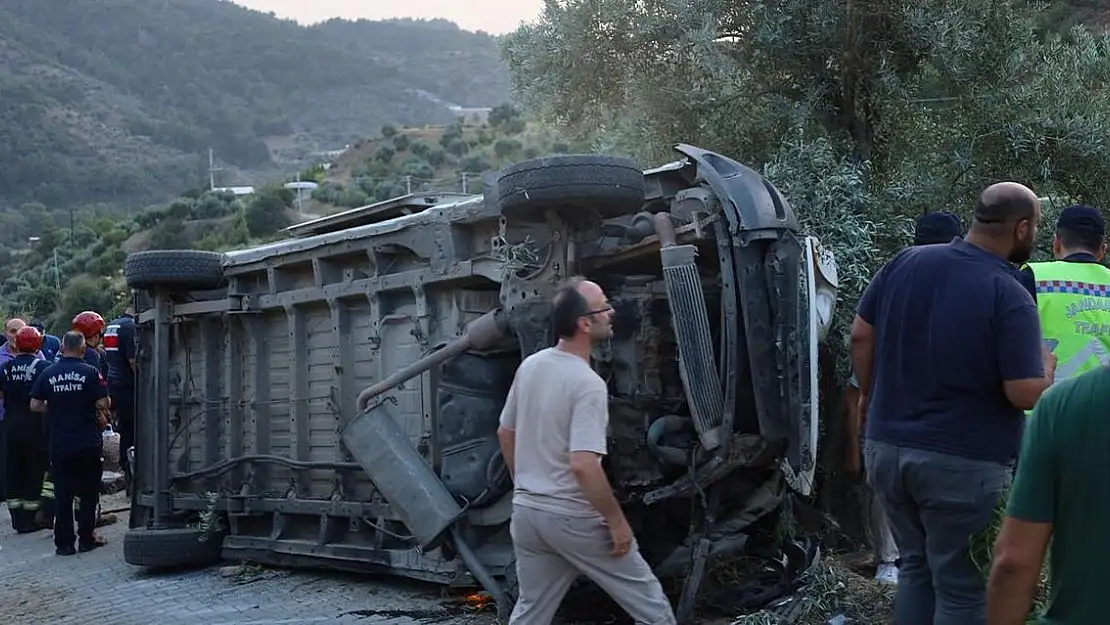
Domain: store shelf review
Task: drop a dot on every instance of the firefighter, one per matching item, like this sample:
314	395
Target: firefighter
25	452
91	325
74	396
1071	293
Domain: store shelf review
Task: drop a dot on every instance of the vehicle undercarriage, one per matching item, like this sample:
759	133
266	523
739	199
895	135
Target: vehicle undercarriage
332	400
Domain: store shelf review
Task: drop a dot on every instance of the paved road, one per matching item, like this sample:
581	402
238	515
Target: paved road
37	587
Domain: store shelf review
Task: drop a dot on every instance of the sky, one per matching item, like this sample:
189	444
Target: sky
493	16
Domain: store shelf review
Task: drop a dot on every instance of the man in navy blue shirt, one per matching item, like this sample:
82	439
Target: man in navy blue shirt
932	229
74	396
119	352
50	343
946	347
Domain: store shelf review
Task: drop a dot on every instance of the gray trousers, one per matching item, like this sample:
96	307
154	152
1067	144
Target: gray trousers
552	549
935	503
878	531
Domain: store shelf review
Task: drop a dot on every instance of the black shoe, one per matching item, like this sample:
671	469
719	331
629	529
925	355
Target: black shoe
84	546
65	551
23	521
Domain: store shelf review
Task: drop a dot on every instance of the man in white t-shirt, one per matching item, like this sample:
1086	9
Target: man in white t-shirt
566	520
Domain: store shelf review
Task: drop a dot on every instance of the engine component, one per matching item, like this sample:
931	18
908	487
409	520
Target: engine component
690	320
402	476
662	426
471	392
482	333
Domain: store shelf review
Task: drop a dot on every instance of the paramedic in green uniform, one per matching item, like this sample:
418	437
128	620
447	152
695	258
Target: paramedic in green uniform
1073	293
1059	495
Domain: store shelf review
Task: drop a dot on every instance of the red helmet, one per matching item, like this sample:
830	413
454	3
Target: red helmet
28	340
89	323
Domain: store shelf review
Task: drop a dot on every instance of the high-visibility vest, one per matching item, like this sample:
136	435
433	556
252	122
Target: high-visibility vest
1073	301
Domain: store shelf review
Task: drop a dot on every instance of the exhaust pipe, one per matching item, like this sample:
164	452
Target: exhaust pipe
482	333
690	321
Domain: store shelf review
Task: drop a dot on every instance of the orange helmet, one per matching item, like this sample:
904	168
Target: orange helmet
89	323
28	340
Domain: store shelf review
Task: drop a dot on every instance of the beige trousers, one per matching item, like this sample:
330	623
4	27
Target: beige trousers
552	549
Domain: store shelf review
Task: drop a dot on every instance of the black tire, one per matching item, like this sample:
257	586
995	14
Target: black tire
608	185
190	270
170	548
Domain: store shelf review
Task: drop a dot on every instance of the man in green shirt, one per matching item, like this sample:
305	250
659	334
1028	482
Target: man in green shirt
1060	494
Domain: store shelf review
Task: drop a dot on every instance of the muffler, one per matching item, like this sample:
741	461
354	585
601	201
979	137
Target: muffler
690	321
414	491
402	476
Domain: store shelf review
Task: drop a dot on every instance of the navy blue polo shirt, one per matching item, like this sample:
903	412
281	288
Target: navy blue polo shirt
17	378
71	388
951	325
93	357
119	349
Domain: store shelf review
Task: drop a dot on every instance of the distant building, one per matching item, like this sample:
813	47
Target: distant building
235	190
472	116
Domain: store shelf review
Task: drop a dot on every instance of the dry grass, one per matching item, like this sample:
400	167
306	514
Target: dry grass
828	590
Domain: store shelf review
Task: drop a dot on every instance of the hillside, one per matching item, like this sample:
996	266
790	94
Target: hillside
76	265
430	158
120	100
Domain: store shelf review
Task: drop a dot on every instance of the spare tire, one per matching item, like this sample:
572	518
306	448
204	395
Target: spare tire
610	186
189	270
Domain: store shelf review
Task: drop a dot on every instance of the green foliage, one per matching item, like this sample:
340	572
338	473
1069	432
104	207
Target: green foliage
503	113
266	213
504	148
385	154
120	100
376	170
865	115
52	278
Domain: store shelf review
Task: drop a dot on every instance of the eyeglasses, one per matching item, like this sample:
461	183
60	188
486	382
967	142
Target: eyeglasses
591	313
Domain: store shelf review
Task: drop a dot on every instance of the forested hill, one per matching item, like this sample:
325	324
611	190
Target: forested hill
120	100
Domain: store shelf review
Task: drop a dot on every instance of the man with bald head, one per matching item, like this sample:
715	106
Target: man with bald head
565	519
947	350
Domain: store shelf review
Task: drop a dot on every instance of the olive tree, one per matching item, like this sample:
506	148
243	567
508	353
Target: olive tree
864	113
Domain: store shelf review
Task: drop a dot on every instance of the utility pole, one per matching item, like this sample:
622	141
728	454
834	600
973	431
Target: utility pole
464	182
57	276
71	235
300	196
408	185
212	169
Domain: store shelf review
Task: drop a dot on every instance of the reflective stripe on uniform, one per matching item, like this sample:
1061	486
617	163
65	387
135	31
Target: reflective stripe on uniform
31	506
1073	300
47	490
15	504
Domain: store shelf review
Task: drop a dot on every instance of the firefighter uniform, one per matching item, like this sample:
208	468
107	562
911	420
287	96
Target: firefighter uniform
119	352
1073	294
71	390
91	325
25	451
